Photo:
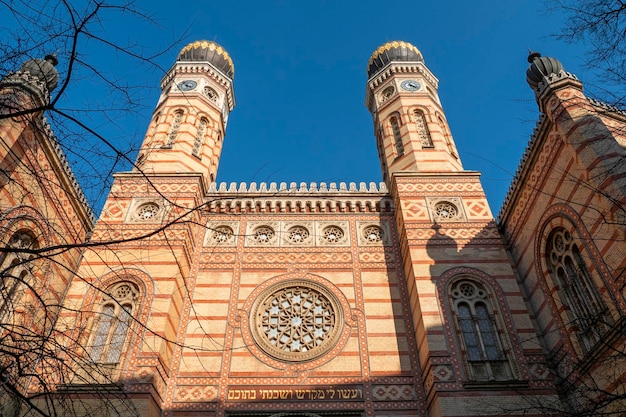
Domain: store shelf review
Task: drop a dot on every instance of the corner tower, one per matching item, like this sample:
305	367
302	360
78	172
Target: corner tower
411	130
187	128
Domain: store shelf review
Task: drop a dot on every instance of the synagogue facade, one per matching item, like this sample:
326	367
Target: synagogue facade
404	298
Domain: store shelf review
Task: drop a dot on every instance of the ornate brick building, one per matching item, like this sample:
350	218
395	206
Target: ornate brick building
404	298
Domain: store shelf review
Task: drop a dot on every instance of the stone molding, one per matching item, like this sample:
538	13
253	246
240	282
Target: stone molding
303	198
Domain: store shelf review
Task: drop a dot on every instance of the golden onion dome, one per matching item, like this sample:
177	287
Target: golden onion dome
208	51
392	52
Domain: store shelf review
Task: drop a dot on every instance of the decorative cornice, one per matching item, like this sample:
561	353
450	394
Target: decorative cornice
294	198
519	173
397	68
606	107
552	81
201	68
65	166
293	188
33	84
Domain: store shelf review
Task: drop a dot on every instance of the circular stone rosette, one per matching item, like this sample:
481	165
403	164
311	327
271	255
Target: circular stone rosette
297	321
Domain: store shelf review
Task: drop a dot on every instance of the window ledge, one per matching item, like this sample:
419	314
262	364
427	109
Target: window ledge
512	383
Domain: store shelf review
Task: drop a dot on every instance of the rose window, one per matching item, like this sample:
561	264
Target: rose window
446	211
297	234
222	234
263	234
296	321
332	234
373	234
147	211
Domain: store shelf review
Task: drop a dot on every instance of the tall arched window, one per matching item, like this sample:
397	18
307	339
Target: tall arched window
446	136
588	316
483	349
197	144
397	137
15	269
422	129
171	136
113	323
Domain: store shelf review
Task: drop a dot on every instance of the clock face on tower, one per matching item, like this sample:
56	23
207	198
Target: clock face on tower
410	85
187	85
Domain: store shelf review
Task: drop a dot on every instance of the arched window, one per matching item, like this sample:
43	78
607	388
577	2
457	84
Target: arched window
446	136
397	137
422	129
171	137
588	316
113	323
197	144
15	269
482	347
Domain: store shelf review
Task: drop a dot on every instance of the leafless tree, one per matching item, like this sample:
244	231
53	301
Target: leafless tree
43	362
601	26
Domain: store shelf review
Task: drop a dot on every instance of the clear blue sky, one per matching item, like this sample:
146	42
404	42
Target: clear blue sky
300	80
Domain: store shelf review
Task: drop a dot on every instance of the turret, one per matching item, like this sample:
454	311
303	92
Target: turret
410	126
190	119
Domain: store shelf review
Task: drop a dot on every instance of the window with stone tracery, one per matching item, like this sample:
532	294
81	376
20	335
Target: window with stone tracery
113	323
297	235
587	315
422	129
332	234
222	235
397	136
171	137
15	270
199	140
264	235
482	344
373	234
296	321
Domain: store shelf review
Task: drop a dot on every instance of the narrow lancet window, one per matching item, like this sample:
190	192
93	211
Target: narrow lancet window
397	137
422	129
171	137
199	140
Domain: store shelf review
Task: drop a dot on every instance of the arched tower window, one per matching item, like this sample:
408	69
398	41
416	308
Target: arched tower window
446	136
113	324
482	346
171	136
588	316
397	137
15	270
197	143
422	129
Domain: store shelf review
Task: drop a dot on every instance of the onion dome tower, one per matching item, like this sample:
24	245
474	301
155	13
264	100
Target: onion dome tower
187	129
409	123
546	75
32	84
540	67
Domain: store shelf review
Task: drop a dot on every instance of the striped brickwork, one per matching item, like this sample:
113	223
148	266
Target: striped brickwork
572	177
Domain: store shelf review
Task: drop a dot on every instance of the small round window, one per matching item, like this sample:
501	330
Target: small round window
263	234
297	235
373	234
148	211
332	234
444	210
222	235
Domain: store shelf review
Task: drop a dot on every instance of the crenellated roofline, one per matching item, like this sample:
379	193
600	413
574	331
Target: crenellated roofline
299	198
